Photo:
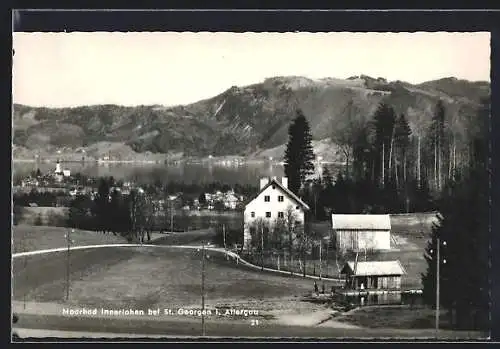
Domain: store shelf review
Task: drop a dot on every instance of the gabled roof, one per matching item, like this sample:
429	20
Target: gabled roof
375	268
361	222
284	189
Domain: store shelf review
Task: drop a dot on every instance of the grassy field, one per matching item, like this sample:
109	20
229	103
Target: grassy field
413	222
193	237
142	278
401	317
146	278
30	238
47	215
412	260
230	329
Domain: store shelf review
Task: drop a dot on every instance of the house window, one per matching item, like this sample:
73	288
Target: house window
252	214
280	198
296	207
268	214
281	215
267	198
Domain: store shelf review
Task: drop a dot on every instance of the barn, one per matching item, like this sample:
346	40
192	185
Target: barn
359	232
379	275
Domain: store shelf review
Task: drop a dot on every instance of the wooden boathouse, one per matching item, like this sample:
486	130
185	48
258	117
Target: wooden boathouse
375	275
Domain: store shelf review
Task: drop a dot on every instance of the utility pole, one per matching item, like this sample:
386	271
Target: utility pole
224	234
418	162
320	259
171	216
326	263
262	247
353	281
437	286
383	163
68	238
203	290
25	272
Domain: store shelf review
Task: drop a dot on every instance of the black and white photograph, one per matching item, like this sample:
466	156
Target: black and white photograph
205	185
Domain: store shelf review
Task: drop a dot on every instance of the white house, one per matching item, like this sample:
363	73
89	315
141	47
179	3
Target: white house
358	232
274	201
231	200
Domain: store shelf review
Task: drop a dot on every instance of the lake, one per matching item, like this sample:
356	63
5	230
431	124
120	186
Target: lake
385	299
202	172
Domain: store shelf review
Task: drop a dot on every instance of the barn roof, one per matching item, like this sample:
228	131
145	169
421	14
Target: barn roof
361	222
375	268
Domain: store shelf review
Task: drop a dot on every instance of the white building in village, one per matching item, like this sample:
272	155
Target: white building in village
274	201
360	232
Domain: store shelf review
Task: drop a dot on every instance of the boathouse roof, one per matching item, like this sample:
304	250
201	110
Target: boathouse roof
373	268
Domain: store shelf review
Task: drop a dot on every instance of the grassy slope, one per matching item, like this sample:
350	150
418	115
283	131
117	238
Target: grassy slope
30	238
227	329
146	277
48	215
119	277
193	237
402	317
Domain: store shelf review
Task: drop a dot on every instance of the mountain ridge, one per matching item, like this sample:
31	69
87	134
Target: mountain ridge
245	120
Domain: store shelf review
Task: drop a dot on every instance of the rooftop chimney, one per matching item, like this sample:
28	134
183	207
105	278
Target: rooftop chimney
284	181
263	182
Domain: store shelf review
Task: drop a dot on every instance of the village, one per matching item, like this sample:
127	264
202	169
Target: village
66	185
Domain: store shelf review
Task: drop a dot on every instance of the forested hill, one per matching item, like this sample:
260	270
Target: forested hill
248	121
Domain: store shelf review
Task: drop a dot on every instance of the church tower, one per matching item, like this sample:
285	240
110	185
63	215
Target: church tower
58	167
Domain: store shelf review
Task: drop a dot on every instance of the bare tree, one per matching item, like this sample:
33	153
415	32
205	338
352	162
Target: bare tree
137	211
344	133
258	230
278	233
150	213
290	219
305	243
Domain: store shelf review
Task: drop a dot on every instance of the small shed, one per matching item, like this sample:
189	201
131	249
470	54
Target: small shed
380	275
358	232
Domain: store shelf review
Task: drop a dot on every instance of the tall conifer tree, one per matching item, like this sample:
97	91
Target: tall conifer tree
299	154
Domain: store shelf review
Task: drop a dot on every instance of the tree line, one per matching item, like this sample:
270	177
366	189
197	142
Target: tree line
41	198
390	165
110	211
393	167
463	235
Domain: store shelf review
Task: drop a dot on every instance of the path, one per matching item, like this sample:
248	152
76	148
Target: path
37	333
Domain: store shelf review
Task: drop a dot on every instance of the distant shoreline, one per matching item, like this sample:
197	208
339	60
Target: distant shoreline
164	162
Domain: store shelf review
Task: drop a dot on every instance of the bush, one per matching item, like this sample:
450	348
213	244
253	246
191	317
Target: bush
38	220
17	214
55	220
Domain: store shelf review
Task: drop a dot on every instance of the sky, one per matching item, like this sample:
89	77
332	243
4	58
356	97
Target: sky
170	68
